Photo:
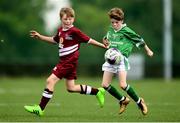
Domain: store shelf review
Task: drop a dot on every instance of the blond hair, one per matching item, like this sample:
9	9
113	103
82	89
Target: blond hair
68	11
116	13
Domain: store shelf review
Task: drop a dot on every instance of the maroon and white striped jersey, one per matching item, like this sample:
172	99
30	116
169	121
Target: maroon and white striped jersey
69	40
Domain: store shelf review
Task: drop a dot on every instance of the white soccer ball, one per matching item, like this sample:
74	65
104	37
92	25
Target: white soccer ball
113	56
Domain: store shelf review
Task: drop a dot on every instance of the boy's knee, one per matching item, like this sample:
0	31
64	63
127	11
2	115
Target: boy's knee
123	85
70	90
105	85
49	81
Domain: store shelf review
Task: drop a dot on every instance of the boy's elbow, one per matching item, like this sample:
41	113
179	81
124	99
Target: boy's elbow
90	41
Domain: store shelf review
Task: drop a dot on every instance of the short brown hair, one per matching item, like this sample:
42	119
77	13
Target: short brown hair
68	11
116	13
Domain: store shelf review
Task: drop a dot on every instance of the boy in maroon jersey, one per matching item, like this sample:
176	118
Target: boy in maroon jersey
68	38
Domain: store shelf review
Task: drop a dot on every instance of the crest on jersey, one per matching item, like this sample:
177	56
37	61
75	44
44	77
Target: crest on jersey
68	37
61	40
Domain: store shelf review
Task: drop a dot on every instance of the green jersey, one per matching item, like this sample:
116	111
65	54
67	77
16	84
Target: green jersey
124	39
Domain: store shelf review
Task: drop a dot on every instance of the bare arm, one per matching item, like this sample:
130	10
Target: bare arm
35	34
149	52
96	43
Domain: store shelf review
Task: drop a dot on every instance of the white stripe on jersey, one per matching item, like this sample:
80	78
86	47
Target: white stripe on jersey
68	50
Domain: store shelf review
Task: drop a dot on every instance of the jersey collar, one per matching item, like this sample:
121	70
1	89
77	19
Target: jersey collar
123	25
63	29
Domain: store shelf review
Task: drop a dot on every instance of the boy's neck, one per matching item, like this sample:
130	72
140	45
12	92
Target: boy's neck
123	25
67	28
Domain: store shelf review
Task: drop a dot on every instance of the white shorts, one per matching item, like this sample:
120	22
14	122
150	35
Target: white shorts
123	66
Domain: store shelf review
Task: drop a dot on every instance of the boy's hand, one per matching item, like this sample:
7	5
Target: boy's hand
106	42
34	34
150	53
105	46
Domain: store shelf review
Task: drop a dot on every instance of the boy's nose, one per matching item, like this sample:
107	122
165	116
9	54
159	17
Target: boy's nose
114	24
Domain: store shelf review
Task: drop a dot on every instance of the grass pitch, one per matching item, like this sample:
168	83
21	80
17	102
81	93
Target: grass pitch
163	100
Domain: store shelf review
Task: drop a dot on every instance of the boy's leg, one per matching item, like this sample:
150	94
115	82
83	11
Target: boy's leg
130	91
114	92
123	101
99	92
46	96
87	90
140	101
106	84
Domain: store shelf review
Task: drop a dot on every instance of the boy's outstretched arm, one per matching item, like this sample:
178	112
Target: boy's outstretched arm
96	43
35	34
149	52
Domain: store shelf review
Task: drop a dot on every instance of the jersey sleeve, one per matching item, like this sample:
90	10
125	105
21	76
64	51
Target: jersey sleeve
81	37
137	39
56	37
106	36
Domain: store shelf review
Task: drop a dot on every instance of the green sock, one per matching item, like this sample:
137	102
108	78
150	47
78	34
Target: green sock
130	91
114	92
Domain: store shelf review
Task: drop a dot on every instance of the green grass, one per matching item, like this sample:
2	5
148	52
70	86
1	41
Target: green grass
163	100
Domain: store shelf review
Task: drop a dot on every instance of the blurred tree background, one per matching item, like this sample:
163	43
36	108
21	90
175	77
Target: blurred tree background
21	55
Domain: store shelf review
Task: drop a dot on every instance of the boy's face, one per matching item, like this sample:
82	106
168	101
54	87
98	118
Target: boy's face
67	21
116	24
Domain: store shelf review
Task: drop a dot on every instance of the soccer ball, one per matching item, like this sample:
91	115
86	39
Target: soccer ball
113	56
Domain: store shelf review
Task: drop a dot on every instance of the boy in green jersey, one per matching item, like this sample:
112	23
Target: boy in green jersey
121	37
